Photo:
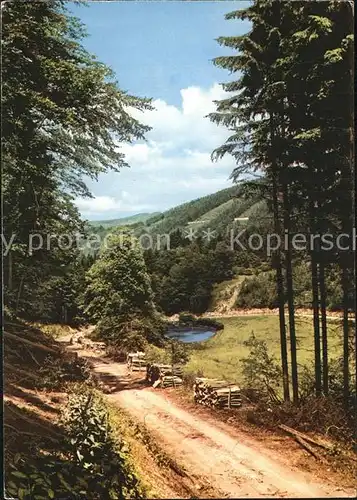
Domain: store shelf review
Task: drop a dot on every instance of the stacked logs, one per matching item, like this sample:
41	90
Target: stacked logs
216	393
136	361
170	381
164	375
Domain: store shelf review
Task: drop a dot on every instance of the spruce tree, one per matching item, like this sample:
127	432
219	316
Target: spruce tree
287	120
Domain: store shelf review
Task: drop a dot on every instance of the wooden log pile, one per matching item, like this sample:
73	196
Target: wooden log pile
164	375
170	381
136	361
216	393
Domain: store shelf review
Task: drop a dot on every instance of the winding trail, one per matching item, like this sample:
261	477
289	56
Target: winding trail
229	463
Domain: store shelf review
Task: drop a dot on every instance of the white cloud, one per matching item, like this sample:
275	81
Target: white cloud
173	166
187	126
98	205
104	205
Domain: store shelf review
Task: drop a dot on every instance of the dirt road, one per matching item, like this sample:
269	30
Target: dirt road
229	313
230	463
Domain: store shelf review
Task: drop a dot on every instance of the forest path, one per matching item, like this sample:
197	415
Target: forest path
304	313
219	460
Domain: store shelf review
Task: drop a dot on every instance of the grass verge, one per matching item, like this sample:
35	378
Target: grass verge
221	355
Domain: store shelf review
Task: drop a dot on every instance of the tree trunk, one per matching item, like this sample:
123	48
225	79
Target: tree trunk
9	282
324	329
353	187
315	302
290	295
346	381
280	292
19	292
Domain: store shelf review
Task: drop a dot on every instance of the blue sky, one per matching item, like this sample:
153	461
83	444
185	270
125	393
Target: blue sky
163	50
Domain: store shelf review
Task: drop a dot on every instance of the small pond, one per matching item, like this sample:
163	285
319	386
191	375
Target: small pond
190	334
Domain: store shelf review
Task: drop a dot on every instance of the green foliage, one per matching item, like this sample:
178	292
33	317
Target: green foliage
258	291
179	352
133	333
186	318
123	221
179	217
183	278
242	271
117	283
44	479
188	283
260	370
155	354
91	463
54	372
210	323
63	118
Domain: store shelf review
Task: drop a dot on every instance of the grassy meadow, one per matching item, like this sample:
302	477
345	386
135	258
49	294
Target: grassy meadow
220	356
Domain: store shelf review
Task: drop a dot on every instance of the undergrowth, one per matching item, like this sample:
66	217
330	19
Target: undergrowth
90	462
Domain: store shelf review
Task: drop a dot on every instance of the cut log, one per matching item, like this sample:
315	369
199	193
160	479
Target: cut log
35	345
304	436
136	361
167	375
307	447
217	393
170	381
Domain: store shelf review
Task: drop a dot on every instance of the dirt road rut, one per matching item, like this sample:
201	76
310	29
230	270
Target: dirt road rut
234	465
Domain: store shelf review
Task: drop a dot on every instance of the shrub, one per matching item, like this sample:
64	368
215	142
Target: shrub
265	267
179	352
258	291
155	354
242	271
189	378
311	414
186	318
190	320
210	322
90	463
261	371
55	371
128	334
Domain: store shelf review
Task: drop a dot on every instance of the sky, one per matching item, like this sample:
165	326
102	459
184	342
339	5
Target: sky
163	50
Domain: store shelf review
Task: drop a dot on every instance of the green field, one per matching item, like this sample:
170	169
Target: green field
220	356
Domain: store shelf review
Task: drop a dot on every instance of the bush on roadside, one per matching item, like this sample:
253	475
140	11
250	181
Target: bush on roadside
89	463
261	371
155	354
189	378
56	371
128	334
321	415
325	414
178	352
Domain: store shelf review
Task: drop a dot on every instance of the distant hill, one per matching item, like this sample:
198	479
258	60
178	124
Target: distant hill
123	221
216	211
